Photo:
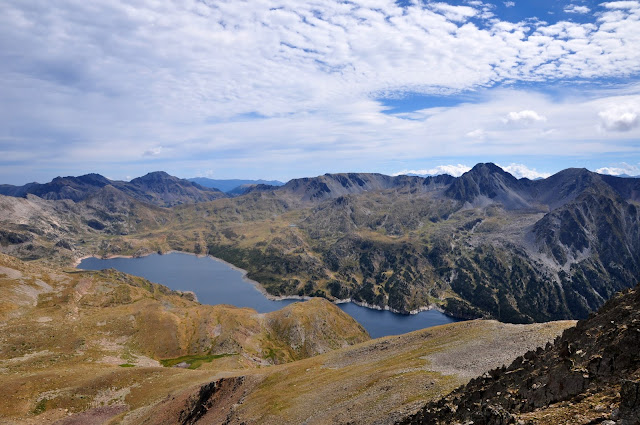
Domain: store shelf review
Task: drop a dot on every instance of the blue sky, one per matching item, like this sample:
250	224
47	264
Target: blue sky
280	89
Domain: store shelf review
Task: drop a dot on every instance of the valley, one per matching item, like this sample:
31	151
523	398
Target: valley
388	212
481	245
103	346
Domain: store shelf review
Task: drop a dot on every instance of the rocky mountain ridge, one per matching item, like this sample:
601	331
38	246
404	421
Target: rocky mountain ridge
156	188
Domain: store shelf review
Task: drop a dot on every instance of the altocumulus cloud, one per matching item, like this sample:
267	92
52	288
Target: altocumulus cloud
282	80
574	8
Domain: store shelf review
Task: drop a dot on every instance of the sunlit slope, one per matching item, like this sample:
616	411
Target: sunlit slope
67	337
375	382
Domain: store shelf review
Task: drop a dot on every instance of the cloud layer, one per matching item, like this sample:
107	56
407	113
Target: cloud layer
264	83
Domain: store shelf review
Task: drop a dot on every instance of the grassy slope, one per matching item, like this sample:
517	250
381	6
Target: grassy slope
378	381
66	335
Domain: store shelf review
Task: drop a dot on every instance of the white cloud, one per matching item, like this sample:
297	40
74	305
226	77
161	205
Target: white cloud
154	151
620	118
526	116
454	13
621	5
624	168
455	170
509	4
521	170
574	8
279	80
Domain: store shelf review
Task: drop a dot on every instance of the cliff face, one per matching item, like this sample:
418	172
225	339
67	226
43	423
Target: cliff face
589	375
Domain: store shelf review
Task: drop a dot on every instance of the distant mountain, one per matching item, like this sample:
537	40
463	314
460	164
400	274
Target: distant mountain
587	376
248	188
331	186
484	244
232	185
157	188
74	188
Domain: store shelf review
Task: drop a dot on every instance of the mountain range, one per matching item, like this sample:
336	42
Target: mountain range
156	188
484	244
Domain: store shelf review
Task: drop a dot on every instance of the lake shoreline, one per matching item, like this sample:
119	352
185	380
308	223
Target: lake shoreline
264	292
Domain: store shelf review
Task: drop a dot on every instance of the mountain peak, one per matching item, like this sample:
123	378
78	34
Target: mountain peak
154	176
488	166
487	181
488	169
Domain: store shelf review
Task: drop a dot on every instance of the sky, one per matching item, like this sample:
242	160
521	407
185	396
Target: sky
279	89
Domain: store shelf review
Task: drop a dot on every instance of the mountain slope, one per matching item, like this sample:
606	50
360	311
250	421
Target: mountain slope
157	188
375	382
481	245
589	375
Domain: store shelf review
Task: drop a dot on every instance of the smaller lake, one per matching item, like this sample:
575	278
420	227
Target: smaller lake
216	282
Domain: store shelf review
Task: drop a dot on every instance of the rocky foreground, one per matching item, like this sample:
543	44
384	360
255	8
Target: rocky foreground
590	375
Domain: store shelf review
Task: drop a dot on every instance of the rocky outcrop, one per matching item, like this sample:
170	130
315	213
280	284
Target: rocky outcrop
596	360
213	400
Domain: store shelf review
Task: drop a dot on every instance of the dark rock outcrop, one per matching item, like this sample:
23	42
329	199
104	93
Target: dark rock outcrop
598	359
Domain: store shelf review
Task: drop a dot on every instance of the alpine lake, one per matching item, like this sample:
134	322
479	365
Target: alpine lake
216	282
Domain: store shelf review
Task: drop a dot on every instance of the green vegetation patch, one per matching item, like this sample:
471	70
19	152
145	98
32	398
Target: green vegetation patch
127	365
194	362
41	406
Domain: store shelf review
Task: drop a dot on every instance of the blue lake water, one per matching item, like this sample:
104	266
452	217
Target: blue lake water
215	282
